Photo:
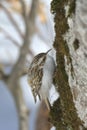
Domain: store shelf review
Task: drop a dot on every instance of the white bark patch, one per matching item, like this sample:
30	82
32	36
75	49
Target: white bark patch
66	10
78	30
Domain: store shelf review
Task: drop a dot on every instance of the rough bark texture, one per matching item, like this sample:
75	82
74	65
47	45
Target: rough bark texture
64	115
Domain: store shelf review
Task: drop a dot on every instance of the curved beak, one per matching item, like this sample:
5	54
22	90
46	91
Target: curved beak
48	51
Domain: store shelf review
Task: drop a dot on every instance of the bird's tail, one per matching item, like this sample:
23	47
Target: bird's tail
47	103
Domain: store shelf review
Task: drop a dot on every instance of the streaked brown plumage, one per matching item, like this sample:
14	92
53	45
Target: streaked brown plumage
39	85
35	73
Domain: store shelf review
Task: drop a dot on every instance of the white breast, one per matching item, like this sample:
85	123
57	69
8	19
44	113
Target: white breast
48	71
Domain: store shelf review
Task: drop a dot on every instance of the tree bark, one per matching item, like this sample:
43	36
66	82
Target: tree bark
64	114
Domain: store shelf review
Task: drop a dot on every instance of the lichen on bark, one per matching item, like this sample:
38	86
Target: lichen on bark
66	118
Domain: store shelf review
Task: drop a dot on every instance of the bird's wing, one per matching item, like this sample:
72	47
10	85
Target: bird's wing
35	81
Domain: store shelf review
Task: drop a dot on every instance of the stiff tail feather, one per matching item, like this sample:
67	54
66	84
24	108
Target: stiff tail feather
47	103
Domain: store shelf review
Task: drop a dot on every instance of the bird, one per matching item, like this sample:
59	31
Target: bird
40	76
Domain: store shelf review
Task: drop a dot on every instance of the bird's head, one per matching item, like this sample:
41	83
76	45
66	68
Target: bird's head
40	58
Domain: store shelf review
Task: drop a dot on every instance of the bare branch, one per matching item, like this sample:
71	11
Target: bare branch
12	20
13	81
31	52
22	109
33	11
23	9
43	116
3	76
25	48
9	37
25	71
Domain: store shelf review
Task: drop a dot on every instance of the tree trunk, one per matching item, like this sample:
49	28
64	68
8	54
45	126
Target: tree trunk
64	114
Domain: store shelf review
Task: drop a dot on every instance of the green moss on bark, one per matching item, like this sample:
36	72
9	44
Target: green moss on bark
56	3
56	115
68	119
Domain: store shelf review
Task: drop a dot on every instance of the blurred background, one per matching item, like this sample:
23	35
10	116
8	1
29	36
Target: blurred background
26	29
